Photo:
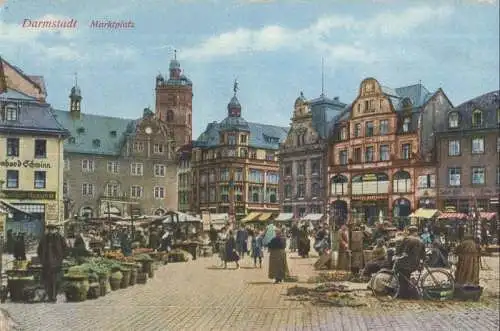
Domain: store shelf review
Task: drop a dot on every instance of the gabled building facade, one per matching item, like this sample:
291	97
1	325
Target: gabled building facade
235	167
302	156
468	155
31	145
382	158
117	166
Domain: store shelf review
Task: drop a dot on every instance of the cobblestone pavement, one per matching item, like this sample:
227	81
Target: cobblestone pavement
200	296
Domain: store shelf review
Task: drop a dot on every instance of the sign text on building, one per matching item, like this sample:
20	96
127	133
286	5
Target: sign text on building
28	195
25	163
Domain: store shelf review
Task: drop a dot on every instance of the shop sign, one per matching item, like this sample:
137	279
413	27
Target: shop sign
450	209
51	212
25	164
370	178
29	195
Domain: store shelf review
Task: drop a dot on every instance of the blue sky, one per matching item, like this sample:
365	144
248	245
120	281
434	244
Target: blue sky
274	48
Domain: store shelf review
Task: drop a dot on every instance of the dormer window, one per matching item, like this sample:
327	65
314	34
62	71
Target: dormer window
96	143
477	118
112	134
343	133
406	124
453	120
80	130
11	113
71	140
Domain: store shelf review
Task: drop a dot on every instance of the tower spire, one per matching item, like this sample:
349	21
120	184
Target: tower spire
175	54
235	86
322	77
76	79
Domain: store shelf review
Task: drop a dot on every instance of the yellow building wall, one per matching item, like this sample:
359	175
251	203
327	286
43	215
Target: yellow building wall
54	208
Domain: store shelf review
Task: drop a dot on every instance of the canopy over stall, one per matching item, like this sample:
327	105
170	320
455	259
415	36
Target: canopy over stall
284	217
424	213
250	217
452	215
487	215
313	217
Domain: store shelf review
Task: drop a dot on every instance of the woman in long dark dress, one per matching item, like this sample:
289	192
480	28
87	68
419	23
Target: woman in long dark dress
278	266
231	254
304	242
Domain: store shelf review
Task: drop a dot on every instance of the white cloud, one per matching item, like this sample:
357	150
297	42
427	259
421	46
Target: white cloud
319	36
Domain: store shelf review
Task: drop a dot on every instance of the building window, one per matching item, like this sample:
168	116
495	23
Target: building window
427	181
384	127
454	148
13	147
112	190
96	143
136	169
138	146
343	157
498	175
287	171
406	124
405	151
88	165
12	178
40	149
357	130
315	167
401	182
40	179
87	189
224	174
477	118
453	120
243	139
159	192
478	174
498	145
212	195
160	171
478	145
170	115
357	155
369	154
158	148
113	167
11	113
231	139
136	192
301	190
315	190
67	164
369	129
339	185
288	191
71	140
301	168
385	152
454	176
343	133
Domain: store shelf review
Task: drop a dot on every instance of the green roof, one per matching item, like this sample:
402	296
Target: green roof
95	134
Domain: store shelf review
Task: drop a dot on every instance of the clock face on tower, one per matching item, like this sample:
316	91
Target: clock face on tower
148	130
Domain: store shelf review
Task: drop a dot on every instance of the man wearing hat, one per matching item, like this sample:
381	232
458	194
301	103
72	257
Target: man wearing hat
52	249
414	249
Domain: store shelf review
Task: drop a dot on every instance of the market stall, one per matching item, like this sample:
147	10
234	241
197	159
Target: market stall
186	231
284	218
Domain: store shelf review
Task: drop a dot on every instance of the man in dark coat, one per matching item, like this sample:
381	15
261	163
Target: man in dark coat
414	250
241	241
10	242
213	235
51	251
20	248
231	253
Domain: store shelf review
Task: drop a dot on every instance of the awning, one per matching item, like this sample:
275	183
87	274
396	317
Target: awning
12	207
312	217
284	217
424	213
264	216
250	217
219	218
487	215
452	216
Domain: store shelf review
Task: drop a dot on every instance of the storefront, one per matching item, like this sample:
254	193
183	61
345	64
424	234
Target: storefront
30	211
369	211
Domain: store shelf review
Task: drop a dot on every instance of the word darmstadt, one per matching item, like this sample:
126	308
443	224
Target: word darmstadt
50	24
108	24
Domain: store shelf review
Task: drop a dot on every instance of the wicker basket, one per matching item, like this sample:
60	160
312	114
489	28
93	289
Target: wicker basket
142	278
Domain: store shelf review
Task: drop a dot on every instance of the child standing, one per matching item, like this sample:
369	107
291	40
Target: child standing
257	248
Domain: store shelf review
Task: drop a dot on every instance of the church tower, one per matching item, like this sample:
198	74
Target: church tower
174	97
75	100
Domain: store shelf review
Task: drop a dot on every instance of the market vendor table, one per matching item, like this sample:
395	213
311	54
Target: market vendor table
191	247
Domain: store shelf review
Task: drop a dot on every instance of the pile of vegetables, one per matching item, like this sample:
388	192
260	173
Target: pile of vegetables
116	255
178	255
142	251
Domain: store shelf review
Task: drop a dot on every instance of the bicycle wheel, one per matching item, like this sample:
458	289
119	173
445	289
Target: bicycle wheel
437	285
384	285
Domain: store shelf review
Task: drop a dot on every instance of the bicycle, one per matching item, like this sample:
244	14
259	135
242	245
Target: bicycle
385	283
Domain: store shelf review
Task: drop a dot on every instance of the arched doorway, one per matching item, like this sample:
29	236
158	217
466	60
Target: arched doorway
339	212
401	211
87	212
338	185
